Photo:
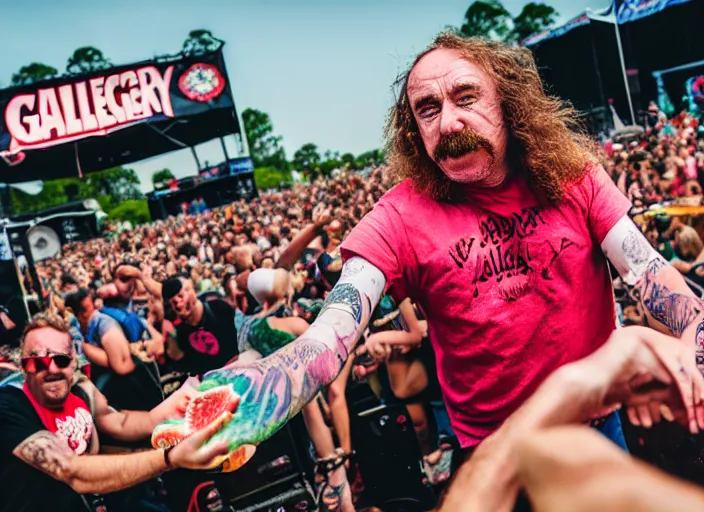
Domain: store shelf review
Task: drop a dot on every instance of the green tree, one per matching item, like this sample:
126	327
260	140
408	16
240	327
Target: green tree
486	18
348	159
264	147
270	177
119	183
86	59
533	18
134	210
33	72
110	188
306	158
161	176
200	41
373	157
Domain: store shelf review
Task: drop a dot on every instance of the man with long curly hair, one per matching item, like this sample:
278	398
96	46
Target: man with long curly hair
500	230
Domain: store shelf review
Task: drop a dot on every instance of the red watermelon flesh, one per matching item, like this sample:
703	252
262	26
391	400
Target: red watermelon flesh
211	405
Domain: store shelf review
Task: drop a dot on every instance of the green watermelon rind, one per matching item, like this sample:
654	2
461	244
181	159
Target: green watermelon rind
176	428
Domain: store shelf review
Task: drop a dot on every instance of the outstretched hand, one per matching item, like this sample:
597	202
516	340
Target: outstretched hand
654	376
264	401
322	218
193	453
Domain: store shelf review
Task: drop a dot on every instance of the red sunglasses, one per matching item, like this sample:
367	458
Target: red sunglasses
36	364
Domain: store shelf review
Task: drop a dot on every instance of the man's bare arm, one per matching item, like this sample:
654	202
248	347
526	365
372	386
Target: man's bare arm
88	474
277	387
577	469
572	394
96	355
669	304
117	349
294	250
123	425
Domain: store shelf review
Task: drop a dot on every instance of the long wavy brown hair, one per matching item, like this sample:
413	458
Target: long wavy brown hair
546	142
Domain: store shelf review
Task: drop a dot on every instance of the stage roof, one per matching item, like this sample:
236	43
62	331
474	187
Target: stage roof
623	11
76	124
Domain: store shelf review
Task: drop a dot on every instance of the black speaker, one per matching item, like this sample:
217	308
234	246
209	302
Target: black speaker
277	477
389	459
12	298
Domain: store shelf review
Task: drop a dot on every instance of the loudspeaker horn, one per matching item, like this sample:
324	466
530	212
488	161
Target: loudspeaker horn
43	242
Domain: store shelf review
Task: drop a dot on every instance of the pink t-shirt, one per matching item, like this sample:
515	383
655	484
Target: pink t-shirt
511	290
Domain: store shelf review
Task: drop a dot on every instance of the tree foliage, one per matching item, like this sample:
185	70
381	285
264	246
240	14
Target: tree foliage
270	177
109	188
533	18
33	72
491	20
134	210
200	41
163	175
264	147
306	158
86	59
486	18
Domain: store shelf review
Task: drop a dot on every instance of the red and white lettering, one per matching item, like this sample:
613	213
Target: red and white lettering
90	123
116	110
89	107
73	124
105	120
50	113
15	122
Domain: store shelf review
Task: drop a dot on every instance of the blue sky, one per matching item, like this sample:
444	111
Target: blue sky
322	69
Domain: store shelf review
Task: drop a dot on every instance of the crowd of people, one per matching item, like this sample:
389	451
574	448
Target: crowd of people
232	285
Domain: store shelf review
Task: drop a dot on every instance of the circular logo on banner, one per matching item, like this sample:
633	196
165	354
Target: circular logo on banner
201	82
204	342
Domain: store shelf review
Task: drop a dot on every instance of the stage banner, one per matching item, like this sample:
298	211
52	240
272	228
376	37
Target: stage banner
632	10
75	111
577	21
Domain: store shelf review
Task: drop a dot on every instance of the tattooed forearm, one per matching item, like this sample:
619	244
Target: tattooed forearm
661	290
676	311
277	387
48	453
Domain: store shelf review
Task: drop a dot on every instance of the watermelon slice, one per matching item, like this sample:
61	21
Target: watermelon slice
209	406
168	434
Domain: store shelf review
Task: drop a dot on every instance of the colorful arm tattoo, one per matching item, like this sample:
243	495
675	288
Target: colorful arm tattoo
669	304
276	388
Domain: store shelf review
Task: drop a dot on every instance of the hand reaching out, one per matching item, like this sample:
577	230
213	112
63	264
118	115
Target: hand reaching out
322	218
653	375
193	453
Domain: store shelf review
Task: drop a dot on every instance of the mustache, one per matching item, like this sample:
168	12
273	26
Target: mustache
458	144
54	377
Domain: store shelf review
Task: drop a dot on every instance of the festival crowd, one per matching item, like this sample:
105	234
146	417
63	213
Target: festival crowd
233	284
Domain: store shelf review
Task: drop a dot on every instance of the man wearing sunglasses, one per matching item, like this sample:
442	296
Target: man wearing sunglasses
49	433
